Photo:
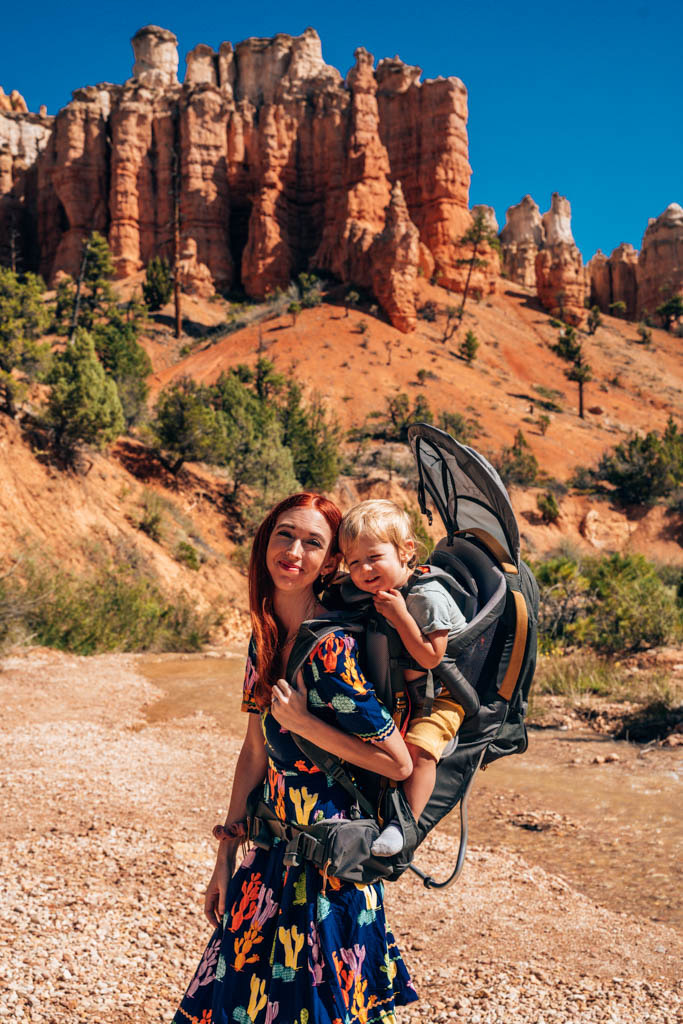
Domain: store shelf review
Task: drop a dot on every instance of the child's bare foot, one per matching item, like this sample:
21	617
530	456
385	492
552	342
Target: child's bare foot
388	842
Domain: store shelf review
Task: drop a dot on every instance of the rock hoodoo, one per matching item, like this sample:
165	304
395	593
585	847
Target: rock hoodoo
274	164
560	278
660	266
521	239
539	252
614	279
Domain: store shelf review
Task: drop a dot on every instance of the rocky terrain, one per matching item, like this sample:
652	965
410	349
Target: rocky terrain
106	848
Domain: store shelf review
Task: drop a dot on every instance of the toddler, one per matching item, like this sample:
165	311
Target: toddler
378	545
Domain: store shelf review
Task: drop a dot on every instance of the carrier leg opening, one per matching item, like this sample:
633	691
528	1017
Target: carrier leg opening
427	880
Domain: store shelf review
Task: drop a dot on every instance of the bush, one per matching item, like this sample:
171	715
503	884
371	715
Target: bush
187	555
645	334
152	519
427	311
643	470
548	507
543	422
614	604
468	347
455	424
158	285
518	464
111	608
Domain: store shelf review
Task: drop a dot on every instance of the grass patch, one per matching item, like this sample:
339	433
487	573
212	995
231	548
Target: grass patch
114	606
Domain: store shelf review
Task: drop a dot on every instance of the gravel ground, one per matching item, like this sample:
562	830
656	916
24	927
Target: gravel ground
106	848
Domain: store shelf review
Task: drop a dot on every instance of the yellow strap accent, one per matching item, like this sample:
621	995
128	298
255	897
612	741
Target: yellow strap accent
494	546
521	629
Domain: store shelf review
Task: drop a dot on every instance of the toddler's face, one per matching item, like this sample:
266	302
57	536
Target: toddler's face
376	565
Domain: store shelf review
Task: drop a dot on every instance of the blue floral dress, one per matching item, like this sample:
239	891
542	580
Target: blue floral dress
294	948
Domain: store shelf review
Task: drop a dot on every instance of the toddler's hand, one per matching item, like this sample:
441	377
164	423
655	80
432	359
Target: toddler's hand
391	604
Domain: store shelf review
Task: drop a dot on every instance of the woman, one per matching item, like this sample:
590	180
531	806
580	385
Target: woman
292	946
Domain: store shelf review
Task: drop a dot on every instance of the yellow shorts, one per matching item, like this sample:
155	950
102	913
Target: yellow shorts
433	732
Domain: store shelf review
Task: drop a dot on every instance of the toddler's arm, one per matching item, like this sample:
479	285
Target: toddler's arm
427	649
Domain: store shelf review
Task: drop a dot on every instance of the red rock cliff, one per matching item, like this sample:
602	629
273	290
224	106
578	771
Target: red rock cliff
277	166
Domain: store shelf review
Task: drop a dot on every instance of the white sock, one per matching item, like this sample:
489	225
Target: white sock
388	842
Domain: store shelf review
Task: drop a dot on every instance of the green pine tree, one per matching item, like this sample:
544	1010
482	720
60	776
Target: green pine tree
23	318
479	235
157	287
83	405
187	427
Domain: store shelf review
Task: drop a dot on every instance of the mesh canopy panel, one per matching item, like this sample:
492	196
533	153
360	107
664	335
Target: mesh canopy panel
466	490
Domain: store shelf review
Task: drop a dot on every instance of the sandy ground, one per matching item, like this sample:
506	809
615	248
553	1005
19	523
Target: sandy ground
106	848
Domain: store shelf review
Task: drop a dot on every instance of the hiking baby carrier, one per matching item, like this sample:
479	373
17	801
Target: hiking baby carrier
488	667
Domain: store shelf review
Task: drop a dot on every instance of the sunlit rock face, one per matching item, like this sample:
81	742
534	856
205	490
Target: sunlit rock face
272	163
660	265
521	240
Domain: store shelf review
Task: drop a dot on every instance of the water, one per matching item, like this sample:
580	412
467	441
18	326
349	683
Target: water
613	829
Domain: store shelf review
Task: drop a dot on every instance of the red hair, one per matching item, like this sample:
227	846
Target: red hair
267	633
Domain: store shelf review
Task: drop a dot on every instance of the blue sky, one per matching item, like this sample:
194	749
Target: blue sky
582	99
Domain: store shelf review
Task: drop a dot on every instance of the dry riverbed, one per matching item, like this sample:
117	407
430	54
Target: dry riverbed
112	779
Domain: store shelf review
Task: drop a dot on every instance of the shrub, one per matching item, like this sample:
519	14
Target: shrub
614	604
548	507
152	519
187	555
594	319
361	326
518	464
157	287
670	311
643	470
468	347
645	334
113	607
618	308
294	308
427	311
421	377
543	422
310	290
455	424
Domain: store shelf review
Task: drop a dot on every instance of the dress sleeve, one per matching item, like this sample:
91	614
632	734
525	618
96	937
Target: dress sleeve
250	678
335	680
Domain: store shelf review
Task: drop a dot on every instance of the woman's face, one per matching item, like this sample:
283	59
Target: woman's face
298	549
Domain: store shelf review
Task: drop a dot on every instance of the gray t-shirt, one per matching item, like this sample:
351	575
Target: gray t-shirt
433	608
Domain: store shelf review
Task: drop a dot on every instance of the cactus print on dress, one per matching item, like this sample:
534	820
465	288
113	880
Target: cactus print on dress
294	948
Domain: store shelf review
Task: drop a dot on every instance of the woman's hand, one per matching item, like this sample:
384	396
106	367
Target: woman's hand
214	897
288	705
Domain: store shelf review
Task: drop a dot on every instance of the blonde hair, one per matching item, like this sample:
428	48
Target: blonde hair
383	520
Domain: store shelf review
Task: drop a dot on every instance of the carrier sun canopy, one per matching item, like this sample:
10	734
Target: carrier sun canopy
466	490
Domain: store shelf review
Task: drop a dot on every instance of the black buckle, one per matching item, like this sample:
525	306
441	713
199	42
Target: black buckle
302	846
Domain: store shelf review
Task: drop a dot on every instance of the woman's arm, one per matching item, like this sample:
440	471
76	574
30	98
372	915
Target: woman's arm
249	771
389	757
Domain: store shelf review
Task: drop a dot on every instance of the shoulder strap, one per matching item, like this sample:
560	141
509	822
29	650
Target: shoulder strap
330	764
309	636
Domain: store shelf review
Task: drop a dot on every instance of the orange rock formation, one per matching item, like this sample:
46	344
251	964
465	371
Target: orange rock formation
660	266
276	165
560	278
614	279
